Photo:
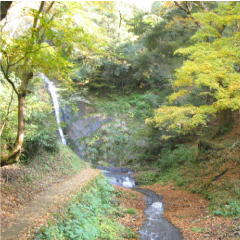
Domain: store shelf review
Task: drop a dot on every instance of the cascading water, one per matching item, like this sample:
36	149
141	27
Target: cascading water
118	176
53	92
155	227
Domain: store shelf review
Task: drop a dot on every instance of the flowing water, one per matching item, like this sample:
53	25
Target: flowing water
155	227
53	92
119	176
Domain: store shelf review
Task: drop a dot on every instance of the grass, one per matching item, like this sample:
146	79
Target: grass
89	215
198	229
131	211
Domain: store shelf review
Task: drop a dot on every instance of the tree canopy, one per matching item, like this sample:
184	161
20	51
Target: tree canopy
188	49
210	71
43	43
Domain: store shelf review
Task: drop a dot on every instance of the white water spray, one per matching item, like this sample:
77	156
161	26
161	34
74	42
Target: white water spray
53	91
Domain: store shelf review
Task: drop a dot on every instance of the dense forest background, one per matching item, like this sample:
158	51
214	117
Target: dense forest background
171	74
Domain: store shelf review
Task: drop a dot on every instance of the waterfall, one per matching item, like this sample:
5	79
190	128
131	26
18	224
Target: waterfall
53	92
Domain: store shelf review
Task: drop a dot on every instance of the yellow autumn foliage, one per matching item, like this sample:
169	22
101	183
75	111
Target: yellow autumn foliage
212	68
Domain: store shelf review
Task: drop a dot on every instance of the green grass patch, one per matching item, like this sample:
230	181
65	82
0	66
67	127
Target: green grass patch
90	215
198	229
132	211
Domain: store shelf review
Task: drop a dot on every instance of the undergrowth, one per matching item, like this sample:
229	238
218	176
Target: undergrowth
89	215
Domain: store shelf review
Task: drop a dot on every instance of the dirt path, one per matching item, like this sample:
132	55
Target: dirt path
17	225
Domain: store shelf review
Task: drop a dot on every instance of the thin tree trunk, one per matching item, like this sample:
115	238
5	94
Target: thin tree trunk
21	122
226	122
14	156
226	119
15	153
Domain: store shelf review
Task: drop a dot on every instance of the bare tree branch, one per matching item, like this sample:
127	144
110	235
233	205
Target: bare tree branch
188	12
38	13
5	73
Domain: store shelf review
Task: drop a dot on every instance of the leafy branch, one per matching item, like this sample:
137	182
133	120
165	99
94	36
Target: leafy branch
7	114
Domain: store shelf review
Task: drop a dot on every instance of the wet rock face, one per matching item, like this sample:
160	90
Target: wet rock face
81	125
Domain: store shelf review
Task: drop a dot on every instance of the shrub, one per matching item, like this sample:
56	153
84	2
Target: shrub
177	157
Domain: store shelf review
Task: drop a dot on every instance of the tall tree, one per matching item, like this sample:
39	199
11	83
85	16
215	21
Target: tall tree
211	72
42	44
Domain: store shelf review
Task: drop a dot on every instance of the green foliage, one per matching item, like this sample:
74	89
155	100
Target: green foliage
8	105
116	105
139	24
44	43
131	211
215	77
231	209
41	126
87	216
177	157
198	229
146	177
40	136
225	200
113	146
167	167
126	137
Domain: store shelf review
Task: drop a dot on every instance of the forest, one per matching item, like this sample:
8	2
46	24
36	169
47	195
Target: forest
162	81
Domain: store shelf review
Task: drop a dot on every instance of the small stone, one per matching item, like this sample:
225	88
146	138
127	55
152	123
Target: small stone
207	236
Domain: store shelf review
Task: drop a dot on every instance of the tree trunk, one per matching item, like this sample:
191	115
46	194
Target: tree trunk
226	122
4	7
15	154
21	122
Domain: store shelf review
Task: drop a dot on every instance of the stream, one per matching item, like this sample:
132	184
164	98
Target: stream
155	227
